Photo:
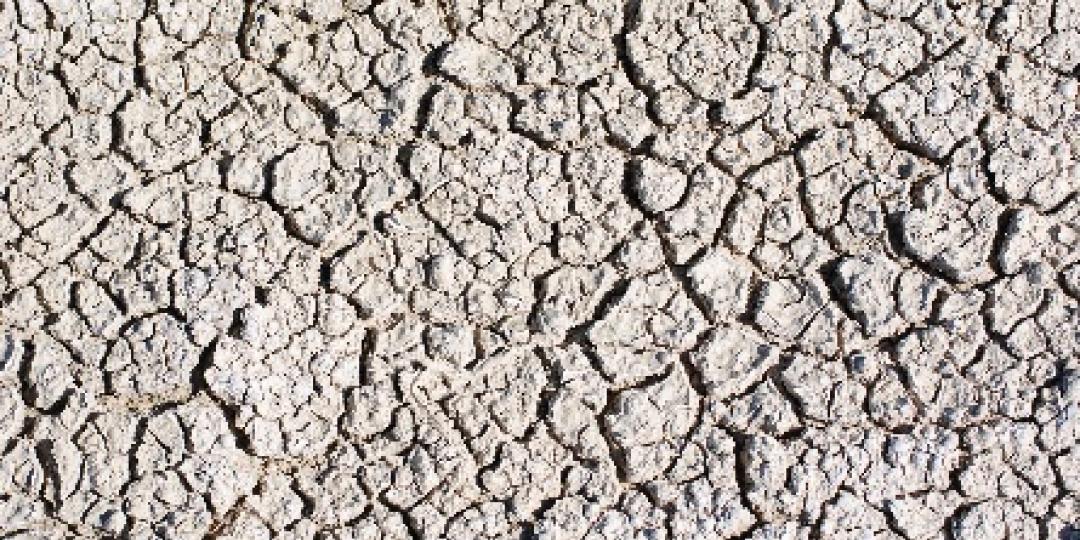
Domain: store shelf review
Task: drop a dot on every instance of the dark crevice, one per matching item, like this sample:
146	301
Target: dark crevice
199	385
760	52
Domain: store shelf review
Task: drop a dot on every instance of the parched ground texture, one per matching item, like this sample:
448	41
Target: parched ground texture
554	269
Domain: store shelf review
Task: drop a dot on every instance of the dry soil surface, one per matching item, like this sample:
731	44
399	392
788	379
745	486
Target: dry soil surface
551	269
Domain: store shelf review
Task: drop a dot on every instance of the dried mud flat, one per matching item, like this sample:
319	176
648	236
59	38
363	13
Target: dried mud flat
554	269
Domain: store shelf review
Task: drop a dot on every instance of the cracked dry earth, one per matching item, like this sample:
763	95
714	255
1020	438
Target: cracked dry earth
555	269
